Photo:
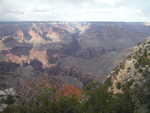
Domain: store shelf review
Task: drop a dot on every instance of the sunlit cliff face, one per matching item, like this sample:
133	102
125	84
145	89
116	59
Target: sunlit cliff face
45	33
33	55
36	38
54	36
2	46
40	56
20	35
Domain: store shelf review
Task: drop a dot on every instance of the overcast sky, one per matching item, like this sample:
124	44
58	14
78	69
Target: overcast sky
74	10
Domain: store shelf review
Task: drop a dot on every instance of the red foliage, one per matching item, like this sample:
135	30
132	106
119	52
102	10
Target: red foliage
68	90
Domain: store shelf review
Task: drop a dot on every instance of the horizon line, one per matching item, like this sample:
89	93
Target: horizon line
61	21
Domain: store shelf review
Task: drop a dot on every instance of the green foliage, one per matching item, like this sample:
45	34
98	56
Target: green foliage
68	104
96	100
10	100
118	85
92	85
102	101
122	103
127	85
108	82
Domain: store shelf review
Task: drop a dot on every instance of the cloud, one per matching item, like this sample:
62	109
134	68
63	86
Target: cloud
74	10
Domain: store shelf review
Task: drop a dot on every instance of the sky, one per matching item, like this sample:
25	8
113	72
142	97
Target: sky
75	10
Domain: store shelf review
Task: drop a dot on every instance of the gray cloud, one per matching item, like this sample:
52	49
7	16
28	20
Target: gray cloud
75	10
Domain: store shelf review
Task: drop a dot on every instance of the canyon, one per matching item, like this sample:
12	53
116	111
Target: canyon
73	53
